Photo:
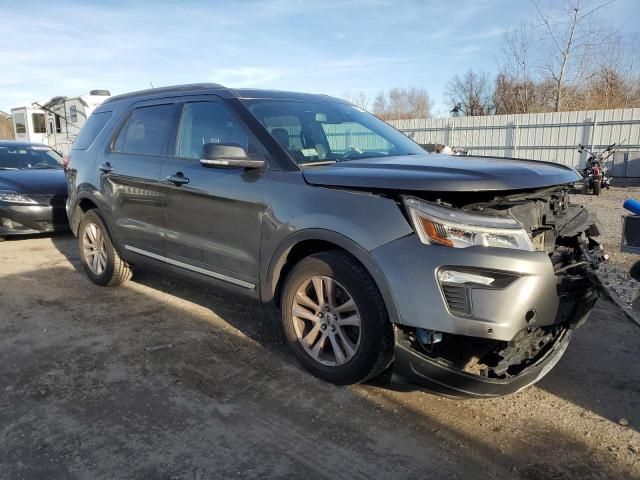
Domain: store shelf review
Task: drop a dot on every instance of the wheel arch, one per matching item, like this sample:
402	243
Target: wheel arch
307	242
82	205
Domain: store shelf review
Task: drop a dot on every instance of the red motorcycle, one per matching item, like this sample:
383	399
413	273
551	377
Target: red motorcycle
596	175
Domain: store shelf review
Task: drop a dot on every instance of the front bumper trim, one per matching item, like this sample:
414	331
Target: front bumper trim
445	380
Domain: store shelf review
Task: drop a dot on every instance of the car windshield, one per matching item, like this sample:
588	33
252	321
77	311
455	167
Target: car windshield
323	132
28	157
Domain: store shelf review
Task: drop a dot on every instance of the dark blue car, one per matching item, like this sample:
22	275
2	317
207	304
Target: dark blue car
33	190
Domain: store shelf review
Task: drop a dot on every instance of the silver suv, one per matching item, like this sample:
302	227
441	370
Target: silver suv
466	275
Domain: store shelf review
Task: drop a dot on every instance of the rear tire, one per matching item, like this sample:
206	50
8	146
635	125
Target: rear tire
342	335
99	258
597	186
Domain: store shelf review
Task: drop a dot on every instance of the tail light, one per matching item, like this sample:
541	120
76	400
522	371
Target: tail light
596	170
65	160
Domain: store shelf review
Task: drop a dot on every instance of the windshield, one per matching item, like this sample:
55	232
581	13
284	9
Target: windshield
319	132
28	157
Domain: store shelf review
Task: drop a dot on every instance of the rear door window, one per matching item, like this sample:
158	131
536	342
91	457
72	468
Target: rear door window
91	130
148	130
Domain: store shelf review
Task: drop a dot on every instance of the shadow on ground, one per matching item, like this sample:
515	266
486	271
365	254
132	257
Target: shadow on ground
82	397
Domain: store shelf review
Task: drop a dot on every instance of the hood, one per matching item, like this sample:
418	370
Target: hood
442	173
34	181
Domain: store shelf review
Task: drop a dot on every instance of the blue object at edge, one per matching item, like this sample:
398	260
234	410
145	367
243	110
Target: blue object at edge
632	205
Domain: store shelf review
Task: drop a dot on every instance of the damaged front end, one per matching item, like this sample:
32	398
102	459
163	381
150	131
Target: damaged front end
462	363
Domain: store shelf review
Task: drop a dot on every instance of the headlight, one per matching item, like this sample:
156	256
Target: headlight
455	228
15	197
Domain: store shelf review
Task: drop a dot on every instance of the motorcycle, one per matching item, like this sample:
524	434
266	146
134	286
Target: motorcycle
595	173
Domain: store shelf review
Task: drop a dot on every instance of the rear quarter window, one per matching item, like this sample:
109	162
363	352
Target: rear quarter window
90	131
148	130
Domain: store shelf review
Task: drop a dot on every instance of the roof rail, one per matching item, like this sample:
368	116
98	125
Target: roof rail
193	87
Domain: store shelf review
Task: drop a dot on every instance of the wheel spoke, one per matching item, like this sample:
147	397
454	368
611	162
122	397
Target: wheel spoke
303	299
315	351
102	262
329	286
310	337
350	320
91	232
318	287
337	351
347	306
349	347
94	262
300	312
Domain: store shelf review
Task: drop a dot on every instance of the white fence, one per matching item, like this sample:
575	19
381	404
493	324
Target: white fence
540	136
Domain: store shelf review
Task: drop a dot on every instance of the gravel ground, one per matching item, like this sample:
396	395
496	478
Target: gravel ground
85	393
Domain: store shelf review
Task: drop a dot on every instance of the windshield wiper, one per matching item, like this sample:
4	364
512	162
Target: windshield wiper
319	162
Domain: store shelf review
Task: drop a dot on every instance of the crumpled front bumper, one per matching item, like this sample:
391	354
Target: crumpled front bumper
536	297
445	380
411	271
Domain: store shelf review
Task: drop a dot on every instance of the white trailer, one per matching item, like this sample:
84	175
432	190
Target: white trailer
29	124
57	122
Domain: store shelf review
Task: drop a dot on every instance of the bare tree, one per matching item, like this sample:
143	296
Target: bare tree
515	88
614	83
402	103
358	98
573	38
471	94
6	127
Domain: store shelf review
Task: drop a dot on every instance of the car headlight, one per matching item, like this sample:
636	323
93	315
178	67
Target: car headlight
14	197
440	225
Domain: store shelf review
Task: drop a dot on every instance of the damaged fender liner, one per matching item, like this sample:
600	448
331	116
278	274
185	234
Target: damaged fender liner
446	380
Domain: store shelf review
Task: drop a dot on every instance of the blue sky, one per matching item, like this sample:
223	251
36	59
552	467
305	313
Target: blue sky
67	47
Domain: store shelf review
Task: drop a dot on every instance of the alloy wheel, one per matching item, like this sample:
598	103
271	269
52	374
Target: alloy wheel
326	321
94	249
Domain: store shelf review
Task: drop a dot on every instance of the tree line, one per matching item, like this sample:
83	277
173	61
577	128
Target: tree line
566	58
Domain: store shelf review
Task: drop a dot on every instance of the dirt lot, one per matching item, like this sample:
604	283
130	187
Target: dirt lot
83	396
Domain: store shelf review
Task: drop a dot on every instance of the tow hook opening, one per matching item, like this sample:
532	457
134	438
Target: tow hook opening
484	358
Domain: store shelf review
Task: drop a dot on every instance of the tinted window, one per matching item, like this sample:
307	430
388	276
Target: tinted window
147	130
318	131
18	119
39	124
91	130
208	122
286	129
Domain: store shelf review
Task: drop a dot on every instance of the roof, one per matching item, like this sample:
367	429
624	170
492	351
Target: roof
198	88
20	143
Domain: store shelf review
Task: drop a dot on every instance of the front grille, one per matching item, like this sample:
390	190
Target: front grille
457	299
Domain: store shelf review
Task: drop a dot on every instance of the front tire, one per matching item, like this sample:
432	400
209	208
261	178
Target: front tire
99	258
335	320
597	186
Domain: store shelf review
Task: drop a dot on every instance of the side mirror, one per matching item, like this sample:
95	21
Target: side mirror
224	155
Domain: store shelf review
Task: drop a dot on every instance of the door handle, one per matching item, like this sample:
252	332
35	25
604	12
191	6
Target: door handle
106	167
178	179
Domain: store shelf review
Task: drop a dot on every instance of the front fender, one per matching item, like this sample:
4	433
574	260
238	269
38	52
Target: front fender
273	270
